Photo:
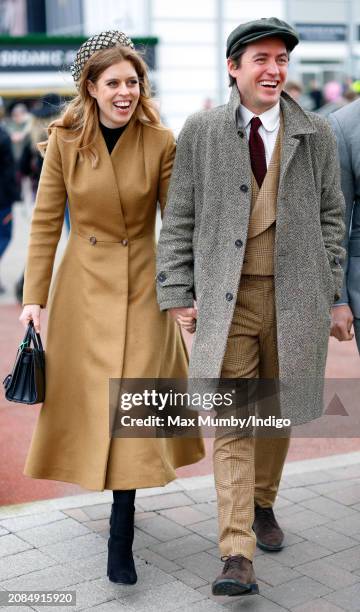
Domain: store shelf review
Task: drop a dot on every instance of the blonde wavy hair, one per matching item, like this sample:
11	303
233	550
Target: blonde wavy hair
81	117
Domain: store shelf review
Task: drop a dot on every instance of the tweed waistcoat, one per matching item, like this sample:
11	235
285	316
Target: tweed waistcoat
259	254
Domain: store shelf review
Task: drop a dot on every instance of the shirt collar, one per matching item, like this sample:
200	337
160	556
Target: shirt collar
270	119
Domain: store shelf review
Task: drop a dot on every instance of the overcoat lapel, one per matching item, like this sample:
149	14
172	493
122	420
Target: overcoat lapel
296	124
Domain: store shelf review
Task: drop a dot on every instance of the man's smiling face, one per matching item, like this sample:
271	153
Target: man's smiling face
261	74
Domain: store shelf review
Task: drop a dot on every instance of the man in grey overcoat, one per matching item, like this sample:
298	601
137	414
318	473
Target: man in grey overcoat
250	256
346	312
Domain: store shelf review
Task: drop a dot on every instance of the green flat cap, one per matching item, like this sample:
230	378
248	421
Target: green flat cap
261	28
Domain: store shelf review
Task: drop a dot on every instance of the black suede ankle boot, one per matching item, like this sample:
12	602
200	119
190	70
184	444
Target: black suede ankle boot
121	567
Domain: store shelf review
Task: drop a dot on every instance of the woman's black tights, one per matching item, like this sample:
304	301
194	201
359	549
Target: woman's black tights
121	567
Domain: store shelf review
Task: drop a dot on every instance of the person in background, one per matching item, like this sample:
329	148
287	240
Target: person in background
19	128
8	190
31	160
334	98
111	158
346	311
316	95
30	163
294	89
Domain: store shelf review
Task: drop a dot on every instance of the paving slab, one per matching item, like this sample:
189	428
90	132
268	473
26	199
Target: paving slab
301	553
317	605
170	500
296	592
87	594
329	508
347	598
209	529
303	519
100	511
162	528
348	559
59	531
173	595
157	560
176	552
77	548
23	563
33	520
269	570
329	538
148	578
11	544
49	578
327	573
298	494
189	578
202	564
182	547
185	515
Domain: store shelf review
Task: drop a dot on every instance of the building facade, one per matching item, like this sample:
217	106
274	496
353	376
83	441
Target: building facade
190	71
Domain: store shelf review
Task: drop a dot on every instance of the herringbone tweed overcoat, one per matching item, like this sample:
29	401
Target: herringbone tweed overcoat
207	214
104	321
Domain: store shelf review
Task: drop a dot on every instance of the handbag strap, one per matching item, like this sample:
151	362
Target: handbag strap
31	335
35	337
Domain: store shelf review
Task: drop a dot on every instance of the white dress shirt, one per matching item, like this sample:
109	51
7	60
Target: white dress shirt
268	130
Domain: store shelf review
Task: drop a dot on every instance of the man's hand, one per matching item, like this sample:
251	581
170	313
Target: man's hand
185	317
341	322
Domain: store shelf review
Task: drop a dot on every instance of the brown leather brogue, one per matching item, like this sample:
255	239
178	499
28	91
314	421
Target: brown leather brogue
269	536
237	578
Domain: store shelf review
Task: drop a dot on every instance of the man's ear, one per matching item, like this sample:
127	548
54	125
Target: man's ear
231	67
91	88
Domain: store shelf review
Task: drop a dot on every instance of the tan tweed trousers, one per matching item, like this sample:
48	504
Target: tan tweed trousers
248	469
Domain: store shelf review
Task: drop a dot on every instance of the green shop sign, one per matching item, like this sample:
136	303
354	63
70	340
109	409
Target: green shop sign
39	53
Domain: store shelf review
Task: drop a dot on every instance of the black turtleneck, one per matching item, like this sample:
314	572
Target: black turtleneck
111	135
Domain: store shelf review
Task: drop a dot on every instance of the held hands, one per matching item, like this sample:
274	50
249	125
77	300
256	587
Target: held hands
185	317
31	312
341	322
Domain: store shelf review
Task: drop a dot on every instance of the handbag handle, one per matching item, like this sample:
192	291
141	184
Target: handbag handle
31	335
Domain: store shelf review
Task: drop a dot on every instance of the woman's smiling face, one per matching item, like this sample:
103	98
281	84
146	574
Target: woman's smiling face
117	92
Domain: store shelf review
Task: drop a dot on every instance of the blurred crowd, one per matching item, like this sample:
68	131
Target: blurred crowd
23	126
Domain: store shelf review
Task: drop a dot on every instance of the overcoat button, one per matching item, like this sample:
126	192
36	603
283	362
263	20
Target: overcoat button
161	277
93	240
241	133
238	243
229	297
244	188
124	242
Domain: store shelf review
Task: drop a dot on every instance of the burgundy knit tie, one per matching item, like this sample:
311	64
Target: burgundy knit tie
257	151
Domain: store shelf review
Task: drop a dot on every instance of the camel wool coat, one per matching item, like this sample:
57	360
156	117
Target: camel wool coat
104	321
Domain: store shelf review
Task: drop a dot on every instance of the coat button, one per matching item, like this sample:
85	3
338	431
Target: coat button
124	242
337	260
93	240
238	243
241	133
229	297
161	277
244	188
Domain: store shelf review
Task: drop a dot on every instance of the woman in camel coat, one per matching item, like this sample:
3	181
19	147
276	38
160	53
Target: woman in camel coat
104	321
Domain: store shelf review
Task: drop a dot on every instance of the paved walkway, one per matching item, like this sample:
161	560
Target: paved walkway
61	544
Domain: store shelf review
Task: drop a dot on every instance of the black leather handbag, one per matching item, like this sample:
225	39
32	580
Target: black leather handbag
26	383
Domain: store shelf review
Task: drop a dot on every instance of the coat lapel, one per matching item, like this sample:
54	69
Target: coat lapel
296	124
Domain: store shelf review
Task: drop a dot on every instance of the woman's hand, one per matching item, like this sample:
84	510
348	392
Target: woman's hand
31	312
